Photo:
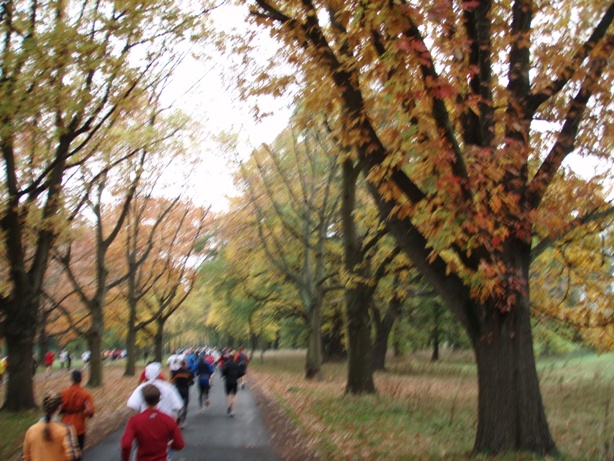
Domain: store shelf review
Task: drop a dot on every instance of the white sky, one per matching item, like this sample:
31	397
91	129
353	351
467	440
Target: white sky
199	90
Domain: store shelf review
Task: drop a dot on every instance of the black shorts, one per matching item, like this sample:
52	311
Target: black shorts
231	388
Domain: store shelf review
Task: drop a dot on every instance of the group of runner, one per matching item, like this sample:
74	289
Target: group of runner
161	404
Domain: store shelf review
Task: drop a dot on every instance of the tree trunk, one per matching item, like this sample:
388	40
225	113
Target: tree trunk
383	328
435	334
397	338
358	295
313	364
511	414
360	364
332	339
159	341
131	351
380	345
94	341
19	334
43	338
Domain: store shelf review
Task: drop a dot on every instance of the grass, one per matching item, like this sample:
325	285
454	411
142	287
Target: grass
13	427
426	411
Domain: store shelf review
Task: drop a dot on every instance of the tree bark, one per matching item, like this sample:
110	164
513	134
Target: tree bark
94	341
159	341
43	338
358	294
383	328
360	365
19	333
510	410
380	344
332	338
131	351
313	362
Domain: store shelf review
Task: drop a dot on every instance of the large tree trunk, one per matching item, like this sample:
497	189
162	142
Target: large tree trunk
159	341
510	410
94	341
131	351
360	365
43	337
357	295
313	362
19	333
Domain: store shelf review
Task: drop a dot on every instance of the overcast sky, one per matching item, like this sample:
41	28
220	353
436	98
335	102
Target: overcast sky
199	89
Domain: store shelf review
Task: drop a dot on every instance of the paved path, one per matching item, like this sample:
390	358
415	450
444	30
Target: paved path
211	435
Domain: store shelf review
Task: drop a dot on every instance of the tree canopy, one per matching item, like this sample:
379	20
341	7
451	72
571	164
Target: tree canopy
462	114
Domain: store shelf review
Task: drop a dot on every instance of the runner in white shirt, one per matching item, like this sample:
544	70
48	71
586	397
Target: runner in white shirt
171	402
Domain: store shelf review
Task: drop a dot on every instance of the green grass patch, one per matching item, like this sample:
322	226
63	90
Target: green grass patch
13	427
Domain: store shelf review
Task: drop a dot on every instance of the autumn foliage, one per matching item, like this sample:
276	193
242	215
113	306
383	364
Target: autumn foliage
468	119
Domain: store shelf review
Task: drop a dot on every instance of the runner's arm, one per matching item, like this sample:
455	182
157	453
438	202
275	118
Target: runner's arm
126	441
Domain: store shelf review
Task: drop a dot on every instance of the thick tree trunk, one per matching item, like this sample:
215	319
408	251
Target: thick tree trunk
43	337
19	334
511	414
131	351
94	341
360	365
313	363
357	295
159	341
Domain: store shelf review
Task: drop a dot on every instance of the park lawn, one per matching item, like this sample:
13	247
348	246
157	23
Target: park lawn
427	411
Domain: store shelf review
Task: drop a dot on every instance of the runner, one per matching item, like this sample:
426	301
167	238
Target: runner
154	431
143	378
183	379
49	358
174	361
77	405
49	439
231	373
204	371
242	360
171	402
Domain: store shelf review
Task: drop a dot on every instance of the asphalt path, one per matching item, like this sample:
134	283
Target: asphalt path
210	435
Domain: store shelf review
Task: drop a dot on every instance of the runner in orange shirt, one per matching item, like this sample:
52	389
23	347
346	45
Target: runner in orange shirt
77	405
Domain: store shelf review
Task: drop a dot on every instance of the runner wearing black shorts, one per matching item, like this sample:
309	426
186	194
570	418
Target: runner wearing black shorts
231	372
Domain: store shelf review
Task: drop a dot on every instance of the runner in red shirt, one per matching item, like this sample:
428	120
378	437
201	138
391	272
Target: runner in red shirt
49	358
153	431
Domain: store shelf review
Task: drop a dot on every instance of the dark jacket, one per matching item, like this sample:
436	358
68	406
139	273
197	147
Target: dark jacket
182	379
232	371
